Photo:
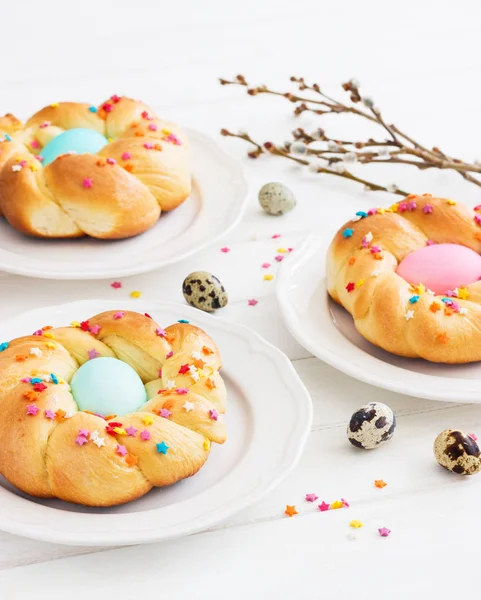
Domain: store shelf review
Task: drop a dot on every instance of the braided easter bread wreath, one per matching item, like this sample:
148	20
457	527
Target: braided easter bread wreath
117	193
404	317
48	448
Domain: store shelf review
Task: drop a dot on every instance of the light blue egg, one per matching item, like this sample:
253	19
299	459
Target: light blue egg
80	140
107	386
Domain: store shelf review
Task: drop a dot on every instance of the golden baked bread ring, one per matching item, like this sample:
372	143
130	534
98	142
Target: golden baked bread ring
117	193
41	426
399	316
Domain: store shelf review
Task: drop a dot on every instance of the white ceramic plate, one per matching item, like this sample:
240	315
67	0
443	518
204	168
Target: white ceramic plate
216	205
268	419
327	330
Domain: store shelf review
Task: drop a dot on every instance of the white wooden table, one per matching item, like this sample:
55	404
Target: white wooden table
421	62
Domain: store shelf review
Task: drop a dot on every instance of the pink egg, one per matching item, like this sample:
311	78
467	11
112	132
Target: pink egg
441	267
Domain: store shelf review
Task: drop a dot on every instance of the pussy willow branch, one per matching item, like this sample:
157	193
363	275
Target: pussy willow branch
339	156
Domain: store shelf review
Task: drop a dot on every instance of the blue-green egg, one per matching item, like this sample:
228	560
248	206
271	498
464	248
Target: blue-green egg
108	386
79	140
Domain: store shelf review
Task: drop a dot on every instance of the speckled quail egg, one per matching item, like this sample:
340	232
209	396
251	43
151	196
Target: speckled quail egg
371	425
276	198
204	291
458	452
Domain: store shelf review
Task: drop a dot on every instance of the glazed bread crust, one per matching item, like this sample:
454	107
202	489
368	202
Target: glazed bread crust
361	276
40	421
117	193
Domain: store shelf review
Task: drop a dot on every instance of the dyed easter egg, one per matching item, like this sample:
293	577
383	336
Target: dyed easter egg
457	452
441	267
107	386
80	141
371	425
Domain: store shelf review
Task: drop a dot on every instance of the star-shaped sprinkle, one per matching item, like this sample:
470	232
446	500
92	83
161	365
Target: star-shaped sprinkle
443	338
413	299
268	277
87	183
184	369
265	265
183	321
162	448
188	406
463	293
32	409
276	236
181	391
93	353
170	385
409	315
311	497
379	483
463	311
169	354
147	420
360	283
427	209
39	387
119	315
350	286
213	414
434	307
84	432
347	233
473	436
384	531
225	249
16	168
121	450
95	329
135	294
356	524
3	346
337	504
196	354
99	441
131	431
145	435
323	506
116	285
36	351
252	302
344	503
290	511
81	440
49	414
163	412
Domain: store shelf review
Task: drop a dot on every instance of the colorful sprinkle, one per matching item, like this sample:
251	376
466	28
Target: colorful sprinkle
252	302
169	354
347	233
413	299
279	258
181	391
126	156
135	294
379	483
95	329
356	524
409	315
184	369
265	265
290	511
147	420
384	531
32	409
337	504
185	321
162	448
188	406
311	497
145	435
87	183
119	315
49	414
350	286
121	450
225	249
116	285
39	387
131	430
213	414
323	506
164	413
93	353
81	440
93	109
3	346
268	277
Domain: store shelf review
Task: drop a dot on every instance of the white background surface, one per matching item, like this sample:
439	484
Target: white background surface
421	62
